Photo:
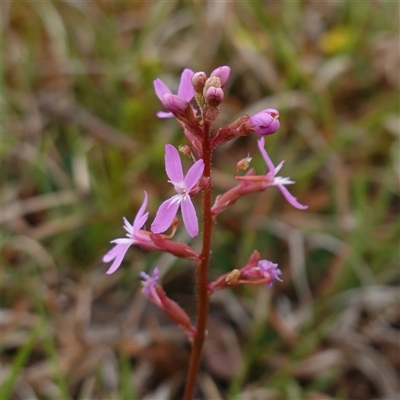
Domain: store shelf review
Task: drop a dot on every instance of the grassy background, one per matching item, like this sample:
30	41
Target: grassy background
81	142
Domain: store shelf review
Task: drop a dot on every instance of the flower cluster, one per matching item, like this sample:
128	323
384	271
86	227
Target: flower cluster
208	93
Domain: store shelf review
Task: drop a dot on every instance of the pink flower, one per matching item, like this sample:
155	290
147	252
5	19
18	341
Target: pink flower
265	122
278	181
255	272
183	186
185	90
264	269
134	236
149	286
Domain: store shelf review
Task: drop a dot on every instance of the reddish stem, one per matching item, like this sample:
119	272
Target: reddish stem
202	273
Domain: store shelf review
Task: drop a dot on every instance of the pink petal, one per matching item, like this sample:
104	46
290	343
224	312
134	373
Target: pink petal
161	88
291	199
150	281
265	155
185	90
117	254
189	217
164	114
173	165
165	215
141	216
194	174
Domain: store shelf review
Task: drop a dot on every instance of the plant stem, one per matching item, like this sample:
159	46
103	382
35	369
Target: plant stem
202	273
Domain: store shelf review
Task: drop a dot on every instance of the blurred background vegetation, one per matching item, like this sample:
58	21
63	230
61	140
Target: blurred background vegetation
81	142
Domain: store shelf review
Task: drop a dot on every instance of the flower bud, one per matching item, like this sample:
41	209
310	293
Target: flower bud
265	122
198	80
214	96
212	81
223	74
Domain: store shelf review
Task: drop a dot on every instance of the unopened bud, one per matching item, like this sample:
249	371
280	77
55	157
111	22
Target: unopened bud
223	74
214	96
212	81
198	80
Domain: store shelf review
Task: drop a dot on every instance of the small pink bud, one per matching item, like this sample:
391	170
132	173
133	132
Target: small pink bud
198	81
223	74
214	96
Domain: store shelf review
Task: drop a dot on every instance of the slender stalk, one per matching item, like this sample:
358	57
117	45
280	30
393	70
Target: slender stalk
202	274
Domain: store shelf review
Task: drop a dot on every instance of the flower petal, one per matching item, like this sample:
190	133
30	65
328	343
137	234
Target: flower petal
194	174
265	155
160	88
173	165
291	199
185	90
189	217
165	215
117	253
128	227
141	216
164	114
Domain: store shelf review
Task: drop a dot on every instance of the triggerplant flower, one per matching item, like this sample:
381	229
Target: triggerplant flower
265	269
185	90
255	272
265	122
183	186
134	236
278	181
150	283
